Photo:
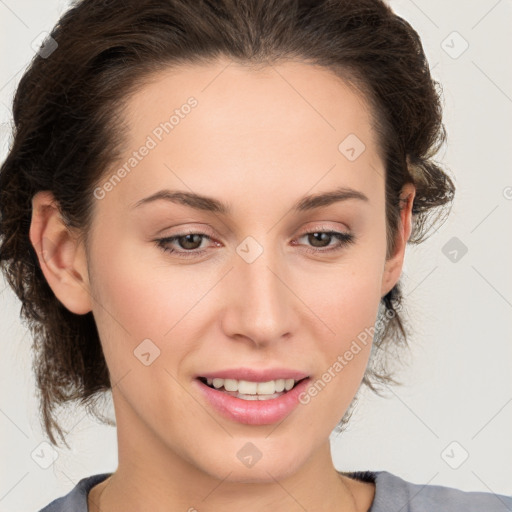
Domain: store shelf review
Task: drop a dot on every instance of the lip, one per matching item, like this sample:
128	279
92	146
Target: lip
253	375
252	412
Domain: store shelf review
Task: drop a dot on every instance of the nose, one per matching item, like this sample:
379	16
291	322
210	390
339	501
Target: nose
260	305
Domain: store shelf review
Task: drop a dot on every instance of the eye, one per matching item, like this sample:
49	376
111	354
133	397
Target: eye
187	245
188	242
320	240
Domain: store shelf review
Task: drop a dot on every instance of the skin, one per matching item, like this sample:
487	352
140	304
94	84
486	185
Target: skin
258	140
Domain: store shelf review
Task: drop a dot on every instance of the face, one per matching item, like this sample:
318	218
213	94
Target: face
269	281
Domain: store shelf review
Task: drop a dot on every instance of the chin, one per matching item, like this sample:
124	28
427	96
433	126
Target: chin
252	465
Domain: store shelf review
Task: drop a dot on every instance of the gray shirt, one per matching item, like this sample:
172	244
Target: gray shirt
392	494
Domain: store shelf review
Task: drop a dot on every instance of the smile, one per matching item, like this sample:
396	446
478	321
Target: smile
249	390
245	402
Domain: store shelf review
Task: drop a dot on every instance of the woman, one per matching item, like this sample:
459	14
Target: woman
205	210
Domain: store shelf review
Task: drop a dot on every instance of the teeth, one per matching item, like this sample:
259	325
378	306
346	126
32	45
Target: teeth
253	388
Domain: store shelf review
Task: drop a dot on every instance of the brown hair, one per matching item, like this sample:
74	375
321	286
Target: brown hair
66	135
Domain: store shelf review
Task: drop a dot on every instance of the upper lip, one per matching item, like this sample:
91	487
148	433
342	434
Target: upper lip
253	375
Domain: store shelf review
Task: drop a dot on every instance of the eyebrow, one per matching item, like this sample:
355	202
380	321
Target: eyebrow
210	204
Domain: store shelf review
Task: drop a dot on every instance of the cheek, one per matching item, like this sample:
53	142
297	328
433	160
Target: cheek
146	295
348	305
141	314
346	298
352	310
137	301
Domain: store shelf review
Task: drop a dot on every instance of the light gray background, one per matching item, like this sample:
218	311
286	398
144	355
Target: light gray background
457	396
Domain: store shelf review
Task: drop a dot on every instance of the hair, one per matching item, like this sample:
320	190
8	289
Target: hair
67	133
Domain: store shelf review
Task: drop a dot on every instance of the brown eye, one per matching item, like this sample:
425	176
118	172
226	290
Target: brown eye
189	242
318	238
185	245
323	239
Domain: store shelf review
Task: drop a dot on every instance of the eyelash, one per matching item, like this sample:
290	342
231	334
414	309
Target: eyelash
344	239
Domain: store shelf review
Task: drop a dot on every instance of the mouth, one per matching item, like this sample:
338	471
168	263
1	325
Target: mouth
250	402
247	390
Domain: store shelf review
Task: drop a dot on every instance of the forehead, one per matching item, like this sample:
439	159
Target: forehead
303	97
213	125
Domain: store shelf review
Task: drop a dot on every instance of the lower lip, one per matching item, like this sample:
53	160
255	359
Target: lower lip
253	412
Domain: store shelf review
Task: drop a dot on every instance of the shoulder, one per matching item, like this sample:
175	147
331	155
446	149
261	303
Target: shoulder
76	499
393	494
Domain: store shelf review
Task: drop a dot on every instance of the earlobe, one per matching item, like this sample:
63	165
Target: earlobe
394	264
61	258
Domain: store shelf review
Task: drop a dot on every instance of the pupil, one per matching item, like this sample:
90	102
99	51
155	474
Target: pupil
316	237
187	241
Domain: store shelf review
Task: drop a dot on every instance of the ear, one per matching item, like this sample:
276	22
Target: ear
393	265
62	259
